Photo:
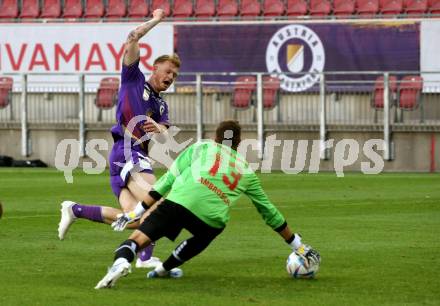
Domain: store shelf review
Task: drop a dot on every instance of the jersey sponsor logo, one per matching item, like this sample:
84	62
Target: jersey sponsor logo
296	54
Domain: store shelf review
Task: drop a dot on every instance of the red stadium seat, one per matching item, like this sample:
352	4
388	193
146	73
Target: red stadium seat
391	7
296	8
271	90
410	90
5	91
273	8
9	9
107	95
204	8
250	9
51	9
377	100
344	7
116	9
94	9
415	7
320	7
367	8
73	9
182	8
161	4
137	9
30	9
244	89
227	9
434	6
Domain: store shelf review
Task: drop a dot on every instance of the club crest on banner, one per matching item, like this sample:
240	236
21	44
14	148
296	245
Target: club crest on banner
296	54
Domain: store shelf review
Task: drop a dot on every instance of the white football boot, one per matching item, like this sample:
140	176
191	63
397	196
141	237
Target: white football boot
151	263
121	267
67	218
160	272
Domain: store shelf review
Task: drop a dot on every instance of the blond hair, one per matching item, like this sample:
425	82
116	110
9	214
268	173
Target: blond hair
174	59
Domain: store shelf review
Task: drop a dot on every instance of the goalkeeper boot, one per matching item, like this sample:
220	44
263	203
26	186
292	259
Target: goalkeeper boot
121	267
67	218
160	272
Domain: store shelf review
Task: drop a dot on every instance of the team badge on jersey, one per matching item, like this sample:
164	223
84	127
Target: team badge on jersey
161	109
146	94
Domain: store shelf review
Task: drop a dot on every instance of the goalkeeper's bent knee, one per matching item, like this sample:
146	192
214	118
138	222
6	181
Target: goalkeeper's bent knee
127	250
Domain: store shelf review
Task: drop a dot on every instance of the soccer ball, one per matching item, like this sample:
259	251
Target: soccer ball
296	267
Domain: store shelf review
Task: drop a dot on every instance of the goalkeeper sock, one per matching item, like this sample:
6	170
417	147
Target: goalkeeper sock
88	212
171	262
127	250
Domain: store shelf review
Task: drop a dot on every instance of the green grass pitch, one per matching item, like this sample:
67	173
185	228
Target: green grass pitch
378	235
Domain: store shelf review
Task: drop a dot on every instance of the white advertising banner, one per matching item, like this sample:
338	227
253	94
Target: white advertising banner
429	54
88	48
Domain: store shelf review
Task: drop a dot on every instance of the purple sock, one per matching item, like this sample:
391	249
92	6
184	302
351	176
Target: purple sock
87	212
146	252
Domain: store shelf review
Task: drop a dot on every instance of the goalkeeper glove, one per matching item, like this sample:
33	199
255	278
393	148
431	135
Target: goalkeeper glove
126	218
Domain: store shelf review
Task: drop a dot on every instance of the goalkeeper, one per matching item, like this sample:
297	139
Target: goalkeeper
200	188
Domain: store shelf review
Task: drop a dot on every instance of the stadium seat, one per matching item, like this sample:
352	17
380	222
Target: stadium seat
320	7
204	9
116	9
5	91
434	6
162	4
391	7
273	8
377	100
227	9
249	9
344	7
271	90
107	95
367	8
137	9
296	8
410	90
244	89
30	9
9	9
182	8
51	9
73	9
94	9
415	7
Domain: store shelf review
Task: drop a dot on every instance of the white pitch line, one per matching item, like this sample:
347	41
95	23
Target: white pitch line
26	217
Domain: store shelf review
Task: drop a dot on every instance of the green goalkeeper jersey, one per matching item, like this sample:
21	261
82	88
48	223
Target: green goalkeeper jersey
207	178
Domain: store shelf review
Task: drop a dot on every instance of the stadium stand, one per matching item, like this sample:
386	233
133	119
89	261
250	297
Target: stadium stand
205	8
116	9
5	91
377	99
162	4
30	9
94	9
391	7
137	9
73	9
434	6
320	7
415	7
367	8
227	9
182	8
409	93
344	8
273	8
249	9
296	8
107	95
9	9
51	9
244	89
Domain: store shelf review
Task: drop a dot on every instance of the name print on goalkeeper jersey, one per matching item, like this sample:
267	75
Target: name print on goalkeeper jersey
208	168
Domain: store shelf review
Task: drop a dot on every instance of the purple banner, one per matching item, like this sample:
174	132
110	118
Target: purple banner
294	50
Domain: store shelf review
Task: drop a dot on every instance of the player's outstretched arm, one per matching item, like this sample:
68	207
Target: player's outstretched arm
131	53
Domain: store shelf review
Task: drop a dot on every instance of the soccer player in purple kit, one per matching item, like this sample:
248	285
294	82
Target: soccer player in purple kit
131	174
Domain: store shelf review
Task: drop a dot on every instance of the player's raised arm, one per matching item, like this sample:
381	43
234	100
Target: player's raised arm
131	53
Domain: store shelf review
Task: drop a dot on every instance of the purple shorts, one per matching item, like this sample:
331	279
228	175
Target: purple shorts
121	165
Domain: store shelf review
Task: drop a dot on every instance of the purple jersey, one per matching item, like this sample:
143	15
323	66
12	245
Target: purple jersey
137	97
